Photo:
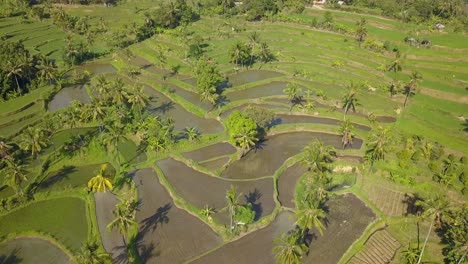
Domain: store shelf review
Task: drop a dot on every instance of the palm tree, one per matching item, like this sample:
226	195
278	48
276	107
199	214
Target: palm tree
90	254
33	139
15	70
97	111
118	92
4	150
254	39
232	200
317	157
124	218
138	98
411	87
288	250
111	138
411	254
361	30
394	88
15	176
396	64
378	144
46	69
246	139
265	54
349	100
293	91
99	183
433	209
347	136
239	53
207	211
309	217
191	133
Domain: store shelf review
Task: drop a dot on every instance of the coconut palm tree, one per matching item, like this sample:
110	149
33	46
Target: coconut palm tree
412	86
349	100
138	98
288	250
33	139
97	111
433	209
118	92
346	133
111	137
411	254
254	40
124	218
265	54
191	133
15	176
90	254
100	183
4	150
378	144
15	70
46	69
317	157
246	139
239	53
361	30
293	91
232	200
309	217
396	65
207	211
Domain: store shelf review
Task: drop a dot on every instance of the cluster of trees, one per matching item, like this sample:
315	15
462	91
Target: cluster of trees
310	212
246	129
208	81
21	72
240	215
246	54
419	10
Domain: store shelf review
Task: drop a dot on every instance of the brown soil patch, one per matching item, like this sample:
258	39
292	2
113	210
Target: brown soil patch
210	152
31	250
445	95
380	248
201	189
292	119
167	234
216	164
389	202
272	153
287	184
348	217
254	248
112	240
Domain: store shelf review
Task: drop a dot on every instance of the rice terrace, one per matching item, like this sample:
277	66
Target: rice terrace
222	131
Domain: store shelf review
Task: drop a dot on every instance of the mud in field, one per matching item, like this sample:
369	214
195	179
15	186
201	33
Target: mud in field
269	89
252	76
348	217
287	184
112	240
292	119
215	164
385	119
31	250
271	153
201	189
242	107
67	95
210	152
254	248
167	234
164	107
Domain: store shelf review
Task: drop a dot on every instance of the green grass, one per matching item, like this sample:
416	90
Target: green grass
72	177
63	218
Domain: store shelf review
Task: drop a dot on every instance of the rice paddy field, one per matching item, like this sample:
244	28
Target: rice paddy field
367	214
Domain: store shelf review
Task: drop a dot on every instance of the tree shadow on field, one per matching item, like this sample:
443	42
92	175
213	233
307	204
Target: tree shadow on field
60	175
160	217
411	208
11	258
253	198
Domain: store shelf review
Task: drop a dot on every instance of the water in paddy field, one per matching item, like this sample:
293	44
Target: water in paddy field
67	95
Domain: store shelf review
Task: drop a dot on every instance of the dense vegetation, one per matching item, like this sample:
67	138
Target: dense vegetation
183	75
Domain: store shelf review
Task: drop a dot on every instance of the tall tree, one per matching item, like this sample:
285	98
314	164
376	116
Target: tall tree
124	217
378	144
254	40
90	254
310	217
318	157
396	65
289	250
433	209
239	53
294	93
232	201
349	100
100	183
33	139
361	30
346	133
46	69
412	86
138	98
15	176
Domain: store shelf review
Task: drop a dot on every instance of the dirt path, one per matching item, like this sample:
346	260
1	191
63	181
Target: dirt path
445	95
